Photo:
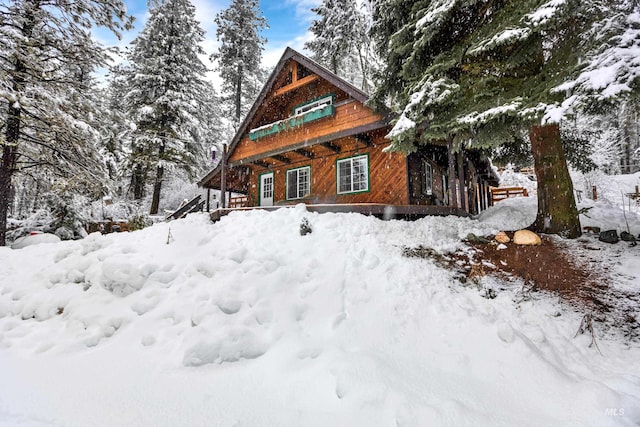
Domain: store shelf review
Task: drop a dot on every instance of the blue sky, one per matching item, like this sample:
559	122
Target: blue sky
289	21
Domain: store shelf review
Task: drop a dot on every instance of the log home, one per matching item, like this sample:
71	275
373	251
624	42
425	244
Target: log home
310	138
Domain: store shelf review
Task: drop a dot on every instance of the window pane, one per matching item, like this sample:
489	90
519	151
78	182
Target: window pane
291	184
303	182
267	187
344	176
427	187
298	183
360	174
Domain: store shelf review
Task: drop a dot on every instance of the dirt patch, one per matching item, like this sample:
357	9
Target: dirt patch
545	266
572	270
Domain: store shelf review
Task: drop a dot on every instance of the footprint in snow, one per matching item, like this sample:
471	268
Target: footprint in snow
506	332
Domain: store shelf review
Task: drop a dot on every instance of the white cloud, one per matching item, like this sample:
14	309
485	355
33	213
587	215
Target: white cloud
303	8
206	11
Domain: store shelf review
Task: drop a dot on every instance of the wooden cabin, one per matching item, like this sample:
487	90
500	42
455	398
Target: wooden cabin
310	138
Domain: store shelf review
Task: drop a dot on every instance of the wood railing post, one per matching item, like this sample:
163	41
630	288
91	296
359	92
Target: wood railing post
223	176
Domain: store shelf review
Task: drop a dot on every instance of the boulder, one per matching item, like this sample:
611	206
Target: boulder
609	236
627	237
526	237
502	237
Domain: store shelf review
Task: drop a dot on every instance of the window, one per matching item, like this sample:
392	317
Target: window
353	174
427	178
320	102
298	183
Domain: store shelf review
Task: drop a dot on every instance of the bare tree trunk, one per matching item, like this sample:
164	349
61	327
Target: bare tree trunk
453	194
557	212
157	185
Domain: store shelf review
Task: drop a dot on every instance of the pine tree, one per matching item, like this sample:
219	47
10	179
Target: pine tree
114	125
46	57
167	87
341	42
240	53
479	72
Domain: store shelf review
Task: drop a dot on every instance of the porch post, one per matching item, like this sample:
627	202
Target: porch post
461	176
223	176
453	197
208	198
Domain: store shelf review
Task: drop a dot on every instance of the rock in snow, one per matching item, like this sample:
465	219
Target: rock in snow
502	237
526	237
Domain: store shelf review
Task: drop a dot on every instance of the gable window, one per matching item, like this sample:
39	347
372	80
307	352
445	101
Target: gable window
353	174
298	183
320	102
427	178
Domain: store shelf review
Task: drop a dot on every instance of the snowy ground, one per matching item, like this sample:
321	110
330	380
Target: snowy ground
247	323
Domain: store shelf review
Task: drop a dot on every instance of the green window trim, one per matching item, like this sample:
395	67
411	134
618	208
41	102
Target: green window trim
367	175
307	193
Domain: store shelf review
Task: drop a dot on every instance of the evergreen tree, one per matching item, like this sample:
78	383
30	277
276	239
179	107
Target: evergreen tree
166	90
341	41
46	56
114	126
240	53
479	72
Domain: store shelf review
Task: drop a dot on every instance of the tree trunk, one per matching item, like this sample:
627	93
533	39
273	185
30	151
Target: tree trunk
12	134
453	194
557	212
138	181
238	100
9	155
157	185
6	172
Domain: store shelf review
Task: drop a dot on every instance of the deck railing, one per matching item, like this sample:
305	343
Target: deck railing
498	194
239	202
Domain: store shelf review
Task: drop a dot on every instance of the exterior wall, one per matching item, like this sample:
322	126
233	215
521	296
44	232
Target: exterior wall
416	177
350	115
279	107
387	177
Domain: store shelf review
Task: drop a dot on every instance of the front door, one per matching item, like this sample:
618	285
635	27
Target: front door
266	189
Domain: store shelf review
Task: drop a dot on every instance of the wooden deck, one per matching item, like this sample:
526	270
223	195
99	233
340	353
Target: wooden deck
406	212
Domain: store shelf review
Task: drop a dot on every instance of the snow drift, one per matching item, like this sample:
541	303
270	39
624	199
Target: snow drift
246	322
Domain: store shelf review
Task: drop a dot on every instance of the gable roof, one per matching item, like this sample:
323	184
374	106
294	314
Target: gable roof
312	66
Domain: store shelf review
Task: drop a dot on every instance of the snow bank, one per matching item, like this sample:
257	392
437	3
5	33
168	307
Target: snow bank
245	322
